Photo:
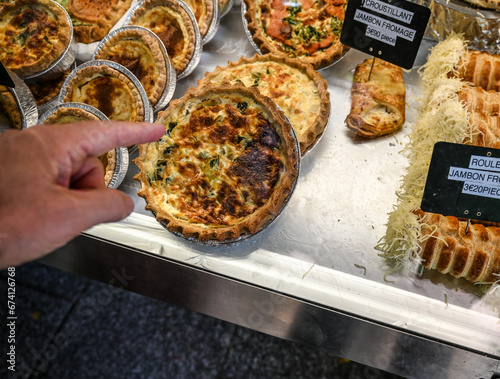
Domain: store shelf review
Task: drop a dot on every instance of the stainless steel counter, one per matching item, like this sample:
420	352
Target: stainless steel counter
314	276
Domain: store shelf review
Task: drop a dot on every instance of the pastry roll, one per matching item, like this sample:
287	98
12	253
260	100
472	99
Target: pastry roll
481	69
377	104
474	255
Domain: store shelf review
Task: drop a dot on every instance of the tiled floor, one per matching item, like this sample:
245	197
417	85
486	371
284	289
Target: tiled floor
71	327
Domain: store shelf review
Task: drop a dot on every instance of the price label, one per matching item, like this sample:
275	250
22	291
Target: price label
463	181
388	29
5	79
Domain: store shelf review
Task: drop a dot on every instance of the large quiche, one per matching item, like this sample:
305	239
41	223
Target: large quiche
225	167
139	51
99	84
175	27
305	29
34	34
93	19
296	87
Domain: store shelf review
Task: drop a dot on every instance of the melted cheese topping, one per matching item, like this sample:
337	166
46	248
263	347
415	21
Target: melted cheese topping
28	33
170	26
218	162
302	28
109	94
138	58
290	88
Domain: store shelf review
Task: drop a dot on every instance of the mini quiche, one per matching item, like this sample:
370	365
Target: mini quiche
45	90
175	27
69	114
139	51
107	89
34	34
204	12
93	19
9	109
305	29
225	167
295	86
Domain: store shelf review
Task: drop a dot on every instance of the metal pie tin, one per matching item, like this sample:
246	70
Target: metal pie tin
225	11
25	103
148	112
257	48
169	89
283	205
198	48
479	26
65	60
121	153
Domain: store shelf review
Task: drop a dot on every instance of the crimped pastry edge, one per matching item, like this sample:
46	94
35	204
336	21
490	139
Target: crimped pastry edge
312	133
252	223
262	42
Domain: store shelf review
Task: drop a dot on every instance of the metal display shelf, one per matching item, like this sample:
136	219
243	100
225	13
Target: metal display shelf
314	275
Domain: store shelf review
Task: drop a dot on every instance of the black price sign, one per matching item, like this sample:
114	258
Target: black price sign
388	29
463	181
5	78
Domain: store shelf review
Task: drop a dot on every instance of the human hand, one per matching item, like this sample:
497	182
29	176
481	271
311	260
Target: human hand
52	184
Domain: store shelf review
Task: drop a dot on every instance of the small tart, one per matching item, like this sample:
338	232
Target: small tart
169	21
139	52
108	90
93	19
305	29
66	115
204	11
47	89
9	109
296	87
225	167
34	34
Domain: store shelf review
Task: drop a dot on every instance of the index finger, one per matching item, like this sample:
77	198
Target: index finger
97	137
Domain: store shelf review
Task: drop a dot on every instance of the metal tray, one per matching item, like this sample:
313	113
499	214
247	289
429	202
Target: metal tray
314	275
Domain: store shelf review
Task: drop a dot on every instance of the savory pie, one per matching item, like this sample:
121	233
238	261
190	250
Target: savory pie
226	165
296	87
45	90
9	109
34	34
204	11
169	21
66	115
106	89
305	29
93	19
378	96
138	51
489	4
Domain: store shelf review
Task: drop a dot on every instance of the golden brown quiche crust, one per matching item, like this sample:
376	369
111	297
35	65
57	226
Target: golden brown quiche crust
93	19
303	29
108	90
140	53
225	166
204	11
173	25
34	34
299	90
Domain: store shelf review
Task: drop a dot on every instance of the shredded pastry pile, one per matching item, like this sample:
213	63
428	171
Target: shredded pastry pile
450	113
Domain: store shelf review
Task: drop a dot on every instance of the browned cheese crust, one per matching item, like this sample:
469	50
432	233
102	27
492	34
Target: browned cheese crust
303	29
34	34
140	53
225	166
93	19
295	86
172	24
108	90
378	104
480	69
